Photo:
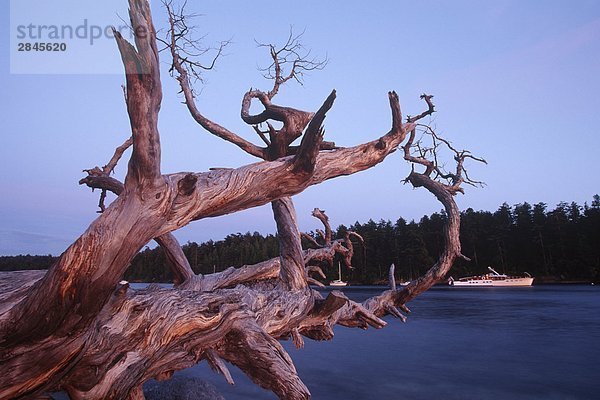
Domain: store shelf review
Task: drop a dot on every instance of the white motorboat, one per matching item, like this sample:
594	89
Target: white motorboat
338	282
493	279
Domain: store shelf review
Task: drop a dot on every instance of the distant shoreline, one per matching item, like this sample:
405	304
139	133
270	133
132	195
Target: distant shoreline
542	280
358	284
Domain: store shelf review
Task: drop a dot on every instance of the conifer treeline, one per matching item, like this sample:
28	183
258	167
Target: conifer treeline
558	244
562	243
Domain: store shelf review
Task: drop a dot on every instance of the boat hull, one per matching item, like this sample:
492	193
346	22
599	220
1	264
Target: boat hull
514	282
508	282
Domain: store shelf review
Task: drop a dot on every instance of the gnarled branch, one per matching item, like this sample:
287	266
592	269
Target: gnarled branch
177	31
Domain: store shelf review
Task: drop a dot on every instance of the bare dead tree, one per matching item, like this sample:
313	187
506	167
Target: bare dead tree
78	328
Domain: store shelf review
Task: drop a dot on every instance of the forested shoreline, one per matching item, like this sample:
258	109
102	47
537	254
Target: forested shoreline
561	244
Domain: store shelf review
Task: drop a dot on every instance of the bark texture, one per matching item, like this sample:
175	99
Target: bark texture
79	328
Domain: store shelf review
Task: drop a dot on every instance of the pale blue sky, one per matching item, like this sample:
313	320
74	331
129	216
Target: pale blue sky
514	81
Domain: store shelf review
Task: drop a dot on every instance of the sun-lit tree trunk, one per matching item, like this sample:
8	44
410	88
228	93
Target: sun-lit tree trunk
79	328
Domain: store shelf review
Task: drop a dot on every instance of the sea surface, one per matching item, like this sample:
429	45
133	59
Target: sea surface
540	342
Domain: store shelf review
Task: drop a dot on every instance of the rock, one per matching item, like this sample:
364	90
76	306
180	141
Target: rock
181	388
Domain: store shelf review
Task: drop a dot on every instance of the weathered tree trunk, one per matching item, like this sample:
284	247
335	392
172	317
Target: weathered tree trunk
292	262
78	328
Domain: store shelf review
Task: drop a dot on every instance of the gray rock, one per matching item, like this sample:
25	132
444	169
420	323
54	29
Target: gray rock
181	388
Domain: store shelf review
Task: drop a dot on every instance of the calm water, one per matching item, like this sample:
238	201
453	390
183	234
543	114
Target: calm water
541	342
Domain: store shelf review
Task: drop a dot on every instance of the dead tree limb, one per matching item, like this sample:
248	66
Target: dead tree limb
291	54
326	252
393	301
184	66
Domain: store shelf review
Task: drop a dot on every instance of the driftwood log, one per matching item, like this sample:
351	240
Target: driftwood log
79	328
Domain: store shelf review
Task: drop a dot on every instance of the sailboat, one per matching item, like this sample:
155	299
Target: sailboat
339	282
